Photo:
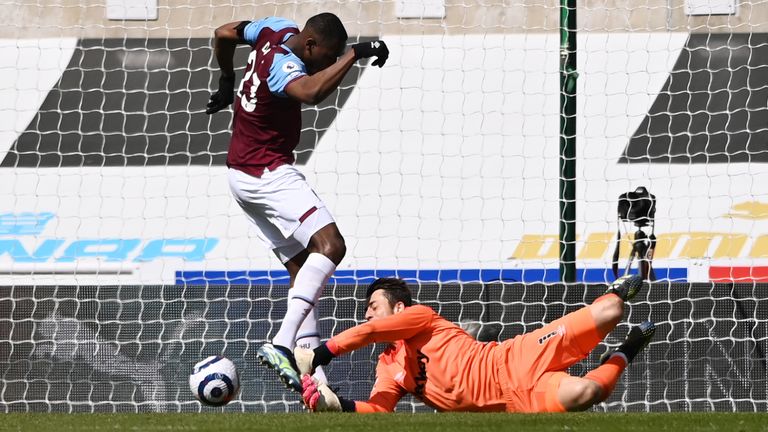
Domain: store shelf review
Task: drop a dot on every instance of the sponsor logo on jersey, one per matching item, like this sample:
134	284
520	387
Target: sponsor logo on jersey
421	377
560	330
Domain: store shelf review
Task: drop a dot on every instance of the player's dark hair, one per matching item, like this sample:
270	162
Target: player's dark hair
395	290
328	27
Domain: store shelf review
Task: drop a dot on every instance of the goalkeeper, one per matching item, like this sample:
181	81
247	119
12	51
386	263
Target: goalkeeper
448	370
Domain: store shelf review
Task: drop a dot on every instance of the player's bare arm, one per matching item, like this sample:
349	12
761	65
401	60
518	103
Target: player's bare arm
313	89
226	38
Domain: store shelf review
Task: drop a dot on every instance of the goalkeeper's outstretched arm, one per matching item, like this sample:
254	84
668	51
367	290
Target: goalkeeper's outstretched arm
402	326
318	397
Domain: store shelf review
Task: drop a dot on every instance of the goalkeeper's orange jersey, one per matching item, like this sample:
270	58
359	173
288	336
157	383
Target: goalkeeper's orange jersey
431	358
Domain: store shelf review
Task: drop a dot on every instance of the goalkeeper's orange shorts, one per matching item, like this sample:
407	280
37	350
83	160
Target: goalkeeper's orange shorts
532	365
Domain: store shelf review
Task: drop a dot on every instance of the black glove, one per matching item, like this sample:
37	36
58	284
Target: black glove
224	97
375	48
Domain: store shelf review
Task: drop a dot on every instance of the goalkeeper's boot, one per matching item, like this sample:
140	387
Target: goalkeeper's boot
281	359
637	339
626	287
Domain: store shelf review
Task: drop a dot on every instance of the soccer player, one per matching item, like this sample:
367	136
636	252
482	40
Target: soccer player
286	68
447	369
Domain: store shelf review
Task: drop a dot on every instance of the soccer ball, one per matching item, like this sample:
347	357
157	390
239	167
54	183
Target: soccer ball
214	381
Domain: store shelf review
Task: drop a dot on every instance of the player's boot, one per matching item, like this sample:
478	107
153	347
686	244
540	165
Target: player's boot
626	287
281	359
637	339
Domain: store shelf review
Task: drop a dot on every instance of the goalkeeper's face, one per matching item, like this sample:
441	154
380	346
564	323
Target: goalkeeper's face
379	306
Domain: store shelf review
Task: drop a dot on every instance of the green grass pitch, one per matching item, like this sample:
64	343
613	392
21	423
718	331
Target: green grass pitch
305	422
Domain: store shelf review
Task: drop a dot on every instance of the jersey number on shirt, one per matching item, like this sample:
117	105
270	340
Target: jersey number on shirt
248	102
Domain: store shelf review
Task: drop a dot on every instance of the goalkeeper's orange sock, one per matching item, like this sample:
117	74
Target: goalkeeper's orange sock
607	374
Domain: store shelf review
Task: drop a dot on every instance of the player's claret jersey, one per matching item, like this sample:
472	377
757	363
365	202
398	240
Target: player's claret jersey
431	358
267	123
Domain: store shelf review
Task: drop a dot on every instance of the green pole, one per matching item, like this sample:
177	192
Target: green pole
568	140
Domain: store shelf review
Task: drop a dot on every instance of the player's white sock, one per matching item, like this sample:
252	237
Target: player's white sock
309	284
309	338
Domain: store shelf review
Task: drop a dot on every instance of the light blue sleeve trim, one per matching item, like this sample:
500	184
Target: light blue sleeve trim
285	68
252	30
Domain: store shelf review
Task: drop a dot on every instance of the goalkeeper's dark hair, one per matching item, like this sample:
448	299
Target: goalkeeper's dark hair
395	290
328	27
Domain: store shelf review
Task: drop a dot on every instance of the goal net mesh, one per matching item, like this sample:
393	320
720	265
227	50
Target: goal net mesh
124	260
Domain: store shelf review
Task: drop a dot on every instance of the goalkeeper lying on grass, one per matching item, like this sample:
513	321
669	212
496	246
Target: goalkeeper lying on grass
448	370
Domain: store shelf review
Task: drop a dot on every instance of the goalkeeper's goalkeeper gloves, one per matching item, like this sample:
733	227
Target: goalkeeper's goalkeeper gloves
318	397
375	48
224	96
308	360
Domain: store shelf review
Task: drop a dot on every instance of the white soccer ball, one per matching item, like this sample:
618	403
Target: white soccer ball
214	381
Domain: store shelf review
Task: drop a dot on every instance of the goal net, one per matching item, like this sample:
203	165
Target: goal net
124	260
